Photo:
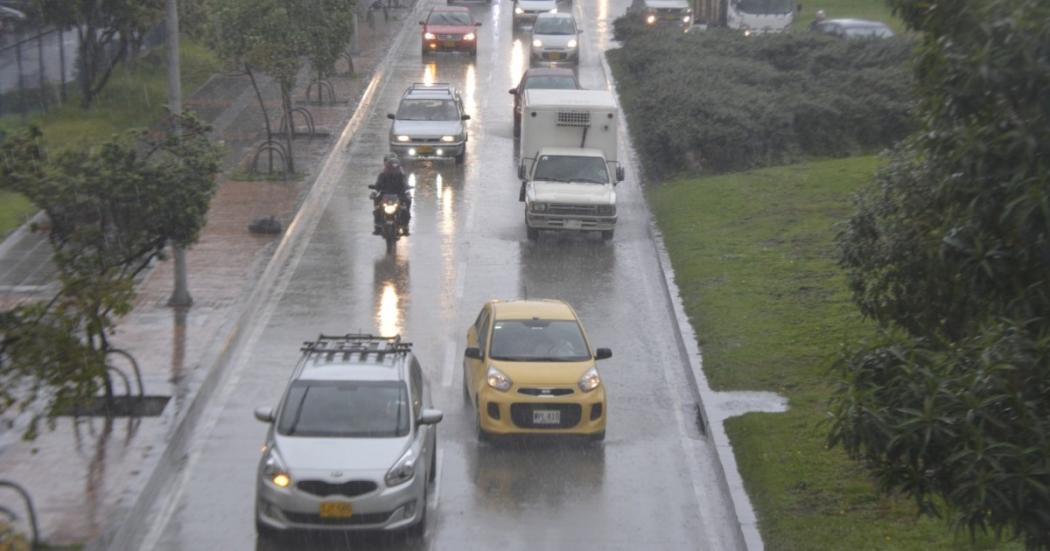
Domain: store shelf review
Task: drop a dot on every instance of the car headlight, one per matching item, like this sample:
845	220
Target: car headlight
687	19
572	43
537	43
650	19
428	36
274	469
448	139
539	207
498	379
590	380
469	36
607	210
403	138
519	11
403	470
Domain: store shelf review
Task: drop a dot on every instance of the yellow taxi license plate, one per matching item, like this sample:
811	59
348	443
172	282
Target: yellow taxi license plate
450	43
546	416
425	150
336	509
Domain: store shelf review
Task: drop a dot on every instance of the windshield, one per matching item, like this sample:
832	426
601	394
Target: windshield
550	82
376	409
450	18
870	31
554	25
427	110
765	7
538	340
562	168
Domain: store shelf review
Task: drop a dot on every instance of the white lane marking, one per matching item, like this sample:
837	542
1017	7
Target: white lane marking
461	280
448	370
437	479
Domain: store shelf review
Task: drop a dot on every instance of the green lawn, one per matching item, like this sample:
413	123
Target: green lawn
754	259
878	10
133	98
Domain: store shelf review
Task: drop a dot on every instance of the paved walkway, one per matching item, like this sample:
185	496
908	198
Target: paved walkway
87	473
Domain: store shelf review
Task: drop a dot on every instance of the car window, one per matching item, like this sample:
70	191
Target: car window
550	82
561	168
449	18
554	25
483	332
377	409
538	340
427	110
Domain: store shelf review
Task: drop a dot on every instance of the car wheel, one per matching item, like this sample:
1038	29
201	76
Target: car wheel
607	235
597	437
466	389
517	125
482	435
532	233
432	474
474	52
264	531
418	529
460	157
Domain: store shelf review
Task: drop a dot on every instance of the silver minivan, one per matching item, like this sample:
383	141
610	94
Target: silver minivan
352	444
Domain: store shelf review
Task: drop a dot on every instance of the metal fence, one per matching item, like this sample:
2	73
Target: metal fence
36	68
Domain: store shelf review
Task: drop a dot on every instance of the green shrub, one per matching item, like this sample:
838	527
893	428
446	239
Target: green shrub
715	101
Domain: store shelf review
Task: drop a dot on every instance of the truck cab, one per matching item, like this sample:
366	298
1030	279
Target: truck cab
568	161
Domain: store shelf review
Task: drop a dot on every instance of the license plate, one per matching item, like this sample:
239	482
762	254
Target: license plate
336	509
425	150
450	43
546	417
555	56
573	224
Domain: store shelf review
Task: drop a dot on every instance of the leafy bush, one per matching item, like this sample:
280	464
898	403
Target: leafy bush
715	101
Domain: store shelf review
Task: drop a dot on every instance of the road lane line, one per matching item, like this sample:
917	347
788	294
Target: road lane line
461	279
437	479
448	370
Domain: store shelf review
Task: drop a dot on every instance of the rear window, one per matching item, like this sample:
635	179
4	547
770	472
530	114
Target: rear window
362	409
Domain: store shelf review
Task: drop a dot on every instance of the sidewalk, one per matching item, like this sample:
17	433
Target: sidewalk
86	475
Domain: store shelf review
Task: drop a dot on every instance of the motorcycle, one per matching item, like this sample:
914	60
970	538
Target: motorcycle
391	219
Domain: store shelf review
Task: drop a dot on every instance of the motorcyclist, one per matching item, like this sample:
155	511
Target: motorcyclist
391	181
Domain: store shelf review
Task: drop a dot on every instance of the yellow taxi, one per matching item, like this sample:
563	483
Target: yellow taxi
528	368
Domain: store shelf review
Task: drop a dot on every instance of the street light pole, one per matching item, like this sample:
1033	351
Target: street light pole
180	296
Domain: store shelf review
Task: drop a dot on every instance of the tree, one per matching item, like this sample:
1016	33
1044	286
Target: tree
107	30
327	27
113	209
949	253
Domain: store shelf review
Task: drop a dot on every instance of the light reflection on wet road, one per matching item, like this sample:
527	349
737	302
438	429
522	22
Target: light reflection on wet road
652	485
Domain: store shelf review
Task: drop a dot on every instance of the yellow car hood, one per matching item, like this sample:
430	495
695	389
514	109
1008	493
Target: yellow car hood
543	373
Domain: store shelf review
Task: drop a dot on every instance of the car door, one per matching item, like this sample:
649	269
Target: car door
477	337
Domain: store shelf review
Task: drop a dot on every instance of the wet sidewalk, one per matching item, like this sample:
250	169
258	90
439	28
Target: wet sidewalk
86	475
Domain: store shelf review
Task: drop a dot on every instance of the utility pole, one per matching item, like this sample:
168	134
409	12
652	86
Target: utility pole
180	296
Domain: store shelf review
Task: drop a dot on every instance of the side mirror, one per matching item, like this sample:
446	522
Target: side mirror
422	23
391	116
602	354
619	174
430	417
473	353
466	117
513	91
264	414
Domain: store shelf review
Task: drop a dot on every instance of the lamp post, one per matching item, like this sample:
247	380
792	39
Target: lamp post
180	296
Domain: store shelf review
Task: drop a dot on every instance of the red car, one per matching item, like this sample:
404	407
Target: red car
450	29
545	78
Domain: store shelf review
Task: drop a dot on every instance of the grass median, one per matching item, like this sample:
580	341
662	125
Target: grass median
754	258
134	98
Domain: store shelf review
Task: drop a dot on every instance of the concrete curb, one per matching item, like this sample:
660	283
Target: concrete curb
129	532
690	349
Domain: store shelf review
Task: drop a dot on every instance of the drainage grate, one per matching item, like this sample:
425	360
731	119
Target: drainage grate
121	406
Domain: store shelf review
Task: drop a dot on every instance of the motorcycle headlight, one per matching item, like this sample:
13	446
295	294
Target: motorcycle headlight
498	380
390	208
590	380
686	19
537	43
519	11
539	207
274	469
428	36
469	36
650	19
448	139
572	43
403	138
403	470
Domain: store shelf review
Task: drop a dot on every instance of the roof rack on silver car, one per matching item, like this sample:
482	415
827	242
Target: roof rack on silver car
356	343
435	86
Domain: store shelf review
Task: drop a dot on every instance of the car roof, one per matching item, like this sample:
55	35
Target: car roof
354	358
534	308
449	8
559	15
435	90
550	71
847	22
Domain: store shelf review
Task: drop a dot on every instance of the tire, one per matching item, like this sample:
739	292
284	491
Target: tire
391	245
265	532
460	157
482	435
607	235
597	437
517	125
417	530
432	474
466	389
474	53
532	233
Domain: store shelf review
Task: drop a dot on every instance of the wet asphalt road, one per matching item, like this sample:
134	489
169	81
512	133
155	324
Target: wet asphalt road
653	484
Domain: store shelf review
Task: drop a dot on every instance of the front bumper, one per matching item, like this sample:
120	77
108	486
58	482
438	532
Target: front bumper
511	412
428	150
439	45
555	57
385	508
541	221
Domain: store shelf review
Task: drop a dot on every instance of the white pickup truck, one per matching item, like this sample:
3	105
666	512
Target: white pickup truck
567	155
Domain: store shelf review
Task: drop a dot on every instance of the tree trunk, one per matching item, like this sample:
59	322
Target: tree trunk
290	130
266	116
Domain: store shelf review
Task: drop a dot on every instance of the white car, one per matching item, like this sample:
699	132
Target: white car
555	40
429	123
525	11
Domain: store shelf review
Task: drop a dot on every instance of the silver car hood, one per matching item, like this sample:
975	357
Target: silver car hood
340	454
418	129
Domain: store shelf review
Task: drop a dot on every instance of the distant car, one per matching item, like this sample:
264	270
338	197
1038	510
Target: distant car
528	368
449	28
662	12
545	78
554	40
853	28
525	11
352	444
429	123
10	18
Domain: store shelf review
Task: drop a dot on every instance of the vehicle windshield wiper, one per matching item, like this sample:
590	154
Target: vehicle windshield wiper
589	180
552	179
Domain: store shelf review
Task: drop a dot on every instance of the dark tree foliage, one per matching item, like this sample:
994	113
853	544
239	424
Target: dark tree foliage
112	209
949	252
716	100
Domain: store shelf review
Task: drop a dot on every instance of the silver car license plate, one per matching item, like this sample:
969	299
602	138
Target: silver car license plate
573	224
546	417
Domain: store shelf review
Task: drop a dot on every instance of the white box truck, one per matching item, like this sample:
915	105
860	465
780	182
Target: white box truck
567	161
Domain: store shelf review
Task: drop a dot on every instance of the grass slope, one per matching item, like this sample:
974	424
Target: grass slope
134	98
754	258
